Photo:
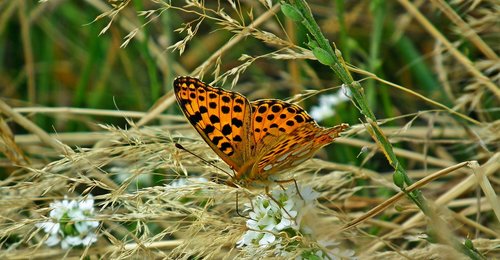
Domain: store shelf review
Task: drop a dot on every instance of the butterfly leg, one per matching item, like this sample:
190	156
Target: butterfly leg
277	202
237	207
280	182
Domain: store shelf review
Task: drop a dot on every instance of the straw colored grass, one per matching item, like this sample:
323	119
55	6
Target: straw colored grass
122	151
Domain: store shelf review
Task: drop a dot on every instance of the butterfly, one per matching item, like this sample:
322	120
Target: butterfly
256	139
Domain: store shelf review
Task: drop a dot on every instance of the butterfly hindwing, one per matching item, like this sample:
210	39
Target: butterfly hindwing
221	117
273	118
286	135
296	147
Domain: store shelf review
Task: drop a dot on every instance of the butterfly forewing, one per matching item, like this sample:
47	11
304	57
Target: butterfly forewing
221	117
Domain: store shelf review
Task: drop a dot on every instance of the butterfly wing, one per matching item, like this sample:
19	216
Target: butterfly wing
297	147
221	117
272	119
286	136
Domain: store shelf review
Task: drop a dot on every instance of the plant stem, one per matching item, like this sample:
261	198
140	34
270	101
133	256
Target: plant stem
339	67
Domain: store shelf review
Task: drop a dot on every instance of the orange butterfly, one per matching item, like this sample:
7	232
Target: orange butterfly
256	139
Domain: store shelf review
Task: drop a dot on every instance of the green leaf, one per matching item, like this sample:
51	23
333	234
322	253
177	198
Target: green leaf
323	56
399	179
291	12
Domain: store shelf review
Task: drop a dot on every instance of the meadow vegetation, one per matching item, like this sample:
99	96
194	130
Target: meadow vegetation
89	122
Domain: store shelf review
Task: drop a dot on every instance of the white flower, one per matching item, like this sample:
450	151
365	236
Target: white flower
282	211
89	239
61	207
49	227
87	205
71	223
276	218
70	241
181	182
247	239
327	102
53	240
267	239
308	194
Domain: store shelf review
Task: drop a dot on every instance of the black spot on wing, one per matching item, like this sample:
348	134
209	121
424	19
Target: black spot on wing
208	129
276	108
226	129
214	119
195	118
217	139
262	109
236	122
299	118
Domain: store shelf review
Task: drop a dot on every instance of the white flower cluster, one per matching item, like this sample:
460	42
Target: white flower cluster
273	220
269	216
71	223
327	102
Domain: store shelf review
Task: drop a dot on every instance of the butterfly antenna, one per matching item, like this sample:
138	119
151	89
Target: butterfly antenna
179	146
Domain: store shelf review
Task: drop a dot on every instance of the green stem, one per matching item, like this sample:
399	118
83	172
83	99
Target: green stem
302	13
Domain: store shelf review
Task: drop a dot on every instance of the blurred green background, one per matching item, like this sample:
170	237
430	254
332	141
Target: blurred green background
73	54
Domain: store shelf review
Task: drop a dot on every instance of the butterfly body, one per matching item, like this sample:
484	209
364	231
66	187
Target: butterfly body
256	139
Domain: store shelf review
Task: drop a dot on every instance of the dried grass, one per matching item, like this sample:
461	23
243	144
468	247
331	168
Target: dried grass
141	217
